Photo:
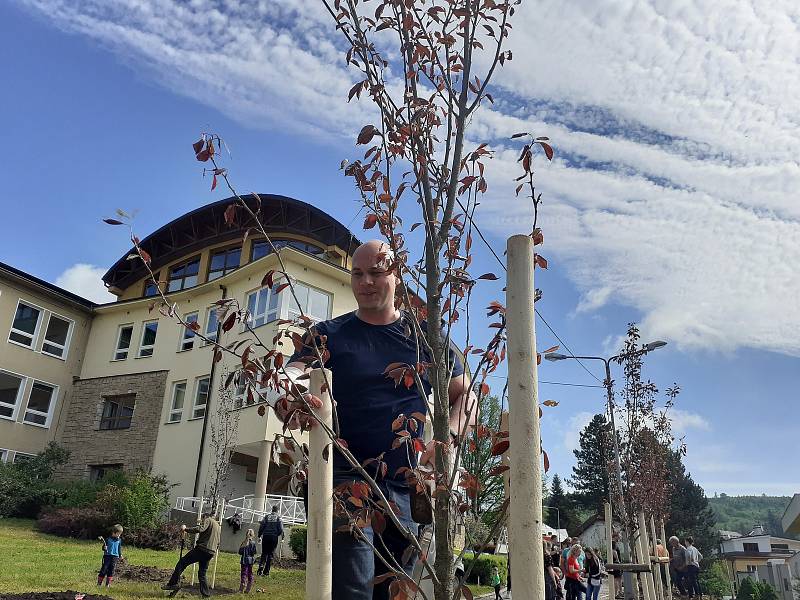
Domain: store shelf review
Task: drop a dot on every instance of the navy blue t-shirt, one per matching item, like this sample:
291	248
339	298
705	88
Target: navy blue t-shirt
367	401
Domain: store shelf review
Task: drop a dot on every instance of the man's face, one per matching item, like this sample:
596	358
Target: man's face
373	286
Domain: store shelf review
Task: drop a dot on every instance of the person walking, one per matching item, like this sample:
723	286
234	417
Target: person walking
358	346
575	582
495	582
209	532
269	530
594	574
247	552
693	558
677	564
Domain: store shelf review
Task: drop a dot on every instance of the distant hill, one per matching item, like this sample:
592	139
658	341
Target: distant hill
741	513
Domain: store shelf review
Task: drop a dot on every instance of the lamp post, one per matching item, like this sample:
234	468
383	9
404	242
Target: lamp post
558	521
609	385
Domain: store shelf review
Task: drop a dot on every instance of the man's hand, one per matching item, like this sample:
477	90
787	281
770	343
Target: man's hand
183	527
295	413
429	455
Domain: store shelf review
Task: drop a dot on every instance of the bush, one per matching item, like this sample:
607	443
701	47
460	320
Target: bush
166	536
83	523
483	567
25	487
297	541
76	494
714	581
140	502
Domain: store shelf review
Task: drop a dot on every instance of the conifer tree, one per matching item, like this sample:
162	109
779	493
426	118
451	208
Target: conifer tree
566	515
690	513
590	474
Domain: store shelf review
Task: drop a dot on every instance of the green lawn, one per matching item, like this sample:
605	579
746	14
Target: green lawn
35	562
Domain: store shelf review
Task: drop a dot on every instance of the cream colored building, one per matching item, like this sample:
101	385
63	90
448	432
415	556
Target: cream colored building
145	386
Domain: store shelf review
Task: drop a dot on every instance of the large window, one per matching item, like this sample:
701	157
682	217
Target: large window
57	336
178	399
188	335
41	401
149	331
124	336
11	389
200	398
21	457
117	411
315	303
263	248
263	306
750	547
184	275
212	324
224	262
99	472
25	325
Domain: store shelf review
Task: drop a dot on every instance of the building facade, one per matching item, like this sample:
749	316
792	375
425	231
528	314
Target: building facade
128	386
760	556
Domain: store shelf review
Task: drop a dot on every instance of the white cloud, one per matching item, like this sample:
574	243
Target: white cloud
675	127
572	432
683	421
85	280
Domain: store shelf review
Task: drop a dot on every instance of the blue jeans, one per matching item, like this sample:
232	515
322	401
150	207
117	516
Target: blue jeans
592	591
355	564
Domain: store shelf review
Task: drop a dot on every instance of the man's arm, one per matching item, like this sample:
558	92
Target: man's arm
462	399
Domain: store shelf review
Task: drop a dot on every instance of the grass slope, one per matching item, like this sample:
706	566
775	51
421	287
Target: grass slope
35	562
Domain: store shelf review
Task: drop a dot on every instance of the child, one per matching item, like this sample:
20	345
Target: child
559	587
496	582
248	552
112	552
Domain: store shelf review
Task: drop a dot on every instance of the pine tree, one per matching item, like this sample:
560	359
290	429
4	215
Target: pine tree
590	473
690	513
566	515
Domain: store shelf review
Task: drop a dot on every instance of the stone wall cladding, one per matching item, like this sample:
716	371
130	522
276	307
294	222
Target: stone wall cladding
133	448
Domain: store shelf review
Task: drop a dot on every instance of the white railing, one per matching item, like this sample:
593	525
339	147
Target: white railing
290	508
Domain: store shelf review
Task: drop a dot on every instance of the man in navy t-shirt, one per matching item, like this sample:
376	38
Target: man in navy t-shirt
361	345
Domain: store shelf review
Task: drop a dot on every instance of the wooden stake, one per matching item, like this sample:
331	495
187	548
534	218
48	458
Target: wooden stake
610	548
525	522
196	535
658	565
216	553
644	545
666	567
319	554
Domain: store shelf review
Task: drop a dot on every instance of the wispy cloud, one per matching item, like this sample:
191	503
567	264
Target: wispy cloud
674	190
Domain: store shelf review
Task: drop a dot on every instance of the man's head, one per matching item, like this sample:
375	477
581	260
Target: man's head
275	508
674	541
689	540
372	283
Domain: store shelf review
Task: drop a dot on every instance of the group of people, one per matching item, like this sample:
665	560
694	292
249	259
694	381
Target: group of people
684	566
572	571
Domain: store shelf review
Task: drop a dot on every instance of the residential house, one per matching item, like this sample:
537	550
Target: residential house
760	556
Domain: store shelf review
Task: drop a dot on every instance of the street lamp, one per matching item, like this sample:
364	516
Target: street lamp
558	521
609	385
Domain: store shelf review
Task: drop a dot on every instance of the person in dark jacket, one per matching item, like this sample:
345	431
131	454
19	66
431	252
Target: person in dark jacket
270	529
248	556
207	543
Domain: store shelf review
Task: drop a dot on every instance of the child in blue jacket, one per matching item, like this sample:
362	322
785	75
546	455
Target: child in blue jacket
112	552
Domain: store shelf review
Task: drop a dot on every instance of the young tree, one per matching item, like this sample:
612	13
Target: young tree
566	517
224	427
590	474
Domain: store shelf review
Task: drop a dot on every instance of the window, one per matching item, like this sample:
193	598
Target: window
99	472
117	411
149	330
21	457
150	288
184	276
188	335
3	455
751	568
200	398
212	324
40	404
263	248
178	397
25	325
315	303
224	262
750	547
263	306
779	546
56	336
11	388
123	342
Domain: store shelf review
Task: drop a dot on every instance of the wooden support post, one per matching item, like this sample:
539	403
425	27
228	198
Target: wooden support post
196	535
659	565
666	567
319	554
216	552
644	545
525	522
610	548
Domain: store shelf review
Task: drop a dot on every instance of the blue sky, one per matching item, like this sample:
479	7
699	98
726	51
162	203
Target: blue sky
672	201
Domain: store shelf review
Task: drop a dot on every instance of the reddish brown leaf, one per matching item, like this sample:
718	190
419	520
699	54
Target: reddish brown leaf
500	447
548	150
498	470
229	322
546	461
370	221
378	522
278	360
113	222
214	182
267	280
540	261
398	422
538	238
281	287
198	145
489	276
230	213
366	134
519	135
485	388
262	410
550	403
467	592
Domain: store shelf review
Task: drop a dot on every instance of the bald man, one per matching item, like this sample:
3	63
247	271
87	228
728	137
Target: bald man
361	345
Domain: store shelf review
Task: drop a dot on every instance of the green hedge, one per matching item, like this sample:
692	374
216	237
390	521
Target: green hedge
297	541
483	567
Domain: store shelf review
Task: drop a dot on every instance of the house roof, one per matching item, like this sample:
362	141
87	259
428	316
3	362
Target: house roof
34	281
588	523
751	554
206	225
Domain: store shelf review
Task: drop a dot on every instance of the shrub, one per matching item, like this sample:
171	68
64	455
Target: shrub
483	567
76	494
166	536
714	581
83	523
297	541
140	502
25	487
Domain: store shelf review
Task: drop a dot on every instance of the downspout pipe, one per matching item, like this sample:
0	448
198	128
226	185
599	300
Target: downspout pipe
208	404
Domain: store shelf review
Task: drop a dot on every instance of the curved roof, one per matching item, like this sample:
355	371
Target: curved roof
206	226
